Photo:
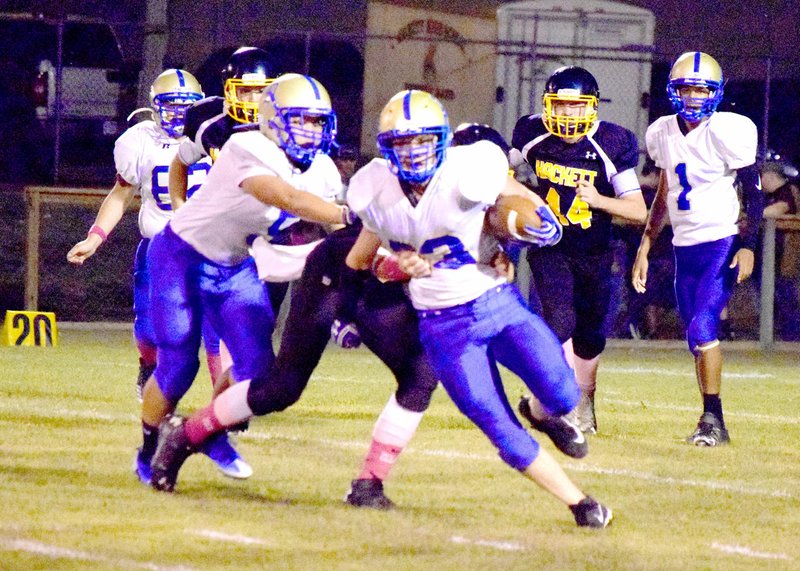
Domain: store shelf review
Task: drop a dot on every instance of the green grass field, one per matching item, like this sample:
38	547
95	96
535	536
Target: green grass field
69	426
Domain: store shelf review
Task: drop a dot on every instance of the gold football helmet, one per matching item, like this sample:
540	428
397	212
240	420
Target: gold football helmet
695	69
295	112
171	94
408	115
570	84
244	77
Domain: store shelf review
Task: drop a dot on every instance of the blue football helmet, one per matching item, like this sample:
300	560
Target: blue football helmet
409	114
699	70
171	94
575	85
287	106
470	133
248	70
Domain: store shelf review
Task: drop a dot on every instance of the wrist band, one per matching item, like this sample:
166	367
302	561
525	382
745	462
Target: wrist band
95	229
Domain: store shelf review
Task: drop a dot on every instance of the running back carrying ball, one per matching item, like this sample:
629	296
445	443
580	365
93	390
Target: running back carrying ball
510	216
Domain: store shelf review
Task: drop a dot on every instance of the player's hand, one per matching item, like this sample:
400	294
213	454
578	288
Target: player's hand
413	264
587	192
550	231
345	335
503	265
639	273
744	259
84	249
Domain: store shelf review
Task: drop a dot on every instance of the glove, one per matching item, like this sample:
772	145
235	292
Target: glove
549	233
345	335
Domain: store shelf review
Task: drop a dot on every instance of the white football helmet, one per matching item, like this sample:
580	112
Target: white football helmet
700	70
171	94
288	107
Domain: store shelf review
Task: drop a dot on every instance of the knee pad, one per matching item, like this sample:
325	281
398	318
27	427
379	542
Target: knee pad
588	346
701	333
175	372
415	389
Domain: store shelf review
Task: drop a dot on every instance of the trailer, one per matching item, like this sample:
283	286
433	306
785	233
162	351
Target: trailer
613	40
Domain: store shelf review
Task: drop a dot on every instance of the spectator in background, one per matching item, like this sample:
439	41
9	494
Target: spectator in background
346	158
780	198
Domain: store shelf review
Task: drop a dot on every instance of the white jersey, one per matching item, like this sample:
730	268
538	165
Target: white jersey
142	156
284	263
445	226
222	219
701	168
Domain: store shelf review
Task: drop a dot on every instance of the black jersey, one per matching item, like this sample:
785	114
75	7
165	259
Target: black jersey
605	151
209	127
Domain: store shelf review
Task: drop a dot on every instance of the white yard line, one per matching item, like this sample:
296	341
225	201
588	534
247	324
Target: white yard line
452	454
747	552
636	475
55	552
679	373
218	535
501	545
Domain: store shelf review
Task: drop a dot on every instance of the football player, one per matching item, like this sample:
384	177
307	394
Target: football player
200	263
585	169
426	203
702	154
142	155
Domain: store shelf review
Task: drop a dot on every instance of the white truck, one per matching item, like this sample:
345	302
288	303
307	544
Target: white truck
612	40
81	106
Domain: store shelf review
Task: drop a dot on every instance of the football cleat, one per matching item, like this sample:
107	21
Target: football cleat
368	493
172	451
591	513
225	457
565	435
145	372
709	432
583	415
141	467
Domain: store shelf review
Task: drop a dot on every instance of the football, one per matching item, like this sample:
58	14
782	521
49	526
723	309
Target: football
509	216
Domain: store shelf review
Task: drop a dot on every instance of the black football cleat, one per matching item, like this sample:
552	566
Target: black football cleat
591	513
709	432
565	435
172	451
368	493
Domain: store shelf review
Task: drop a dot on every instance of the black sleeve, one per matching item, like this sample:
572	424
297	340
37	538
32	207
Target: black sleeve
753	200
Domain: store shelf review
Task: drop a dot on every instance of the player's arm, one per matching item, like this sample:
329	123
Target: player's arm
178	181
749	181
656	221
109	215
275	191
628	204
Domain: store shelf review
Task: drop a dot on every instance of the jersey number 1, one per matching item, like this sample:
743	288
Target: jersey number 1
683	199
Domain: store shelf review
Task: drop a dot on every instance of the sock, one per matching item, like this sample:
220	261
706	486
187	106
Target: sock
214	363
713	404
149	439
393	431
147	353
226	410
379	461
